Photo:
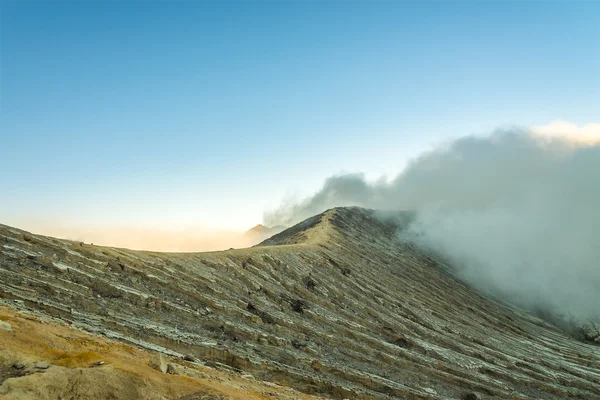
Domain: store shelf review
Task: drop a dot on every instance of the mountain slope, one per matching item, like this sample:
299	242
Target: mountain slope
334	306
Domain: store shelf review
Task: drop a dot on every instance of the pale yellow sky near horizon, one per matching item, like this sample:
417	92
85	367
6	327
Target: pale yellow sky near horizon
192	238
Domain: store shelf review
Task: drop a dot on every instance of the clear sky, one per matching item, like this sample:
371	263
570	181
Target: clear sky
151	114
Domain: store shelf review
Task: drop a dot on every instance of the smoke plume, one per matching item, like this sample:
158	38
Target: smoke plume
516	213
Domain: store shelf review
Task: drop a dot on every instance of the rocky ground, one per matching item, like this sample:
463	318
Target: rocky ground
45	359
333	307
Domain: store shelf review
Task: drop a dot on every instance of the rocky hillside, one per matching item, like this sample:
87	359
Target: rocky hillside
333	307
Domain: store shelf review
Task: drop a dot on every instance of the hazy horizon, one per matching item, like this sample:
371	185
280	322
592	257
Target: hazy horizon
178	125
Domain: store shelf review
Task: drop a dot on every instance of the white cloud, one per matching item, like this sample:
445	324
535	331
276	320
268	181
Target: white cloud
581	134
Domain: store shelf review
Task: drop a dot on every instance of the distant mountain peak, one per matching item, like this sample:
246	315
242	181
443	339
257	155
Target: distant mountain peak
260	232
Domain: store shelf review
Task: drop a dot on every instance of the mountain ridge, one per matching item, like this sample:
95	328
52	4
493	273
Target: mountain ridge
335	306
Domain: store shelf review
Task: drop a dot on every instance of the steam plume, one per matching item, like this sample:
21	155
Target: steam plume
517	213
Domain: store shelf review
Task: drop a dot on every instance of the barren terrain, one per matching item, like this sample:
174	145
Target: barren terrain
333	307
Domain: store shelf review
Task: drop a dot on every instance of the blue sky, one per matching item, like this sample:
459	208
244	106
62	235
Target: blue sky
194	113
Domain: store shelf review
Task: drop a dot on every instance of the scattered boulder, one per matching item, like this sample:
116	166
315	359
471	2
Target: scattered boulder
172	369
472	396
97	364
5	326
41	365
159	364
189	357
591	331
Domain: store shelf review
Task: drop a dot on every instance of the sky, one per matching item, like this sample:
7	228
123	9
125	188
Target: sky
199	116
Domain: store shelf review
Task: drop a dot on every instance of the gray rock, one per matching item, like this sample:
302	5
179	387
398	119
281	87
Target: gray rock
98	364
41	365
172	369
591	331
18	365
472	396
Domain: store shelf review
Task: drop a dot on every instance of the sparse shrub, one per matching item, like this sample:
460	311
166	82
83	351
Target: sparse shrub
299	305
44	261
266	318
298	344
106	290
310	283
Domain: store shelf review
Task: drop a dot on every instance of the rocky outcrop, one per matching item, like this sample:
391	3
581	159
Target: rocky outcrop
591	331
334	306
